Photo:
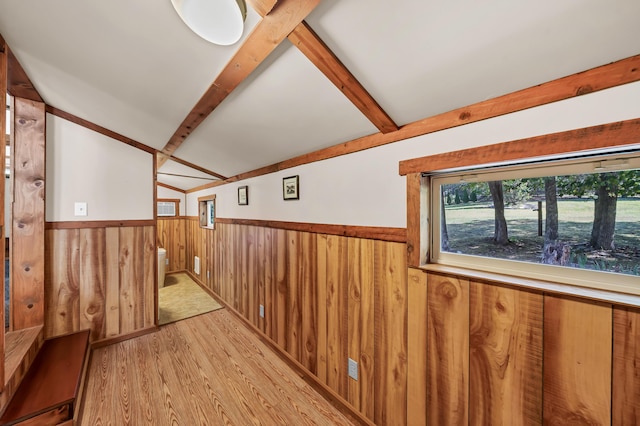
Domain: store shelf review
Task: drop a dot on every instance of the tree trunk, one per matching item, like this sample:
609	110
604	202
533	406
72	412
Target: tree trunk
604	217
500	235
444	234
551	206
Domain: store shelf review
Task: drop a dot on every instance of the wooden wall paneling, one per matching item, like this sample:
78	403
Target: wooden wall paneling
505	356
294	295
309	300
244	248
417	347
253	313
391	333
150	276
92	282
577	361
27	237
236	250
138	276
447	350
62	292
268	280
361	319
260	274
280	308
128	264
321	282
337	314
626	366
112	282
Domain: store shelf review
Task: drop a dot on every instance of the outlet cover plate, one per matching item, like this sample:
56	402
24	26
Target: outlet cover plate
353	369
261	311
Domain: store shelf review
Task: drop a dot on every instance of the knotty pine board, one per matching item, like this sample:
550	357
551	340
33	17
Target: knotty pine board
417	347
626	366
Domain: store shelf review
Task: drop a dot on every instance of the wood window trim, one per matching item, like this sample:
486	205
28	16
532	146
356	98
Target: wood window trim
202	212
622	135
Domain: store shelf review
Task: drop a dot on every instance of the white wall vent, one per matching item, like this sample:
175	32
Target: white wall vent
196	265
166	208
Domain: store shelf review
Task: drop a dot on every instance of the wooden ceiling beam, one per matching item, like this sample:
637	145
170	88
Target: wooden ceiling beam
18	82
263	7
264	38
173	188
196	167
312	46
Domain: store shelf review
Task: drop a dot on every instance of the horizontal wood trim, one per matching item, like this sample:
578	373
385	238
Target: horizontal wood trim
301	371
532	284
619	134
99	224
397	235
96	128
111	340
173	188
593	80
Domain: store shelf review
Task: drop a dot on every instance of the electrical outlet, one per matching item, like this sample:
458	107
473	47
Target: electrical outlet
353	369
208	274
166	261
261	311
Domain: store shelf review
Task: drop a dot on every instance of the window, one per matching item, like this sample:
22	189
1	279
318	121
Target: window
168	207
576	221
207	211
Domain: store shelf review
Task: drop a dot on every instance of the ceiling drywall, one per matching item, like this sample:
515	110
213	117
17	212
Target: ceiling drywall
134	68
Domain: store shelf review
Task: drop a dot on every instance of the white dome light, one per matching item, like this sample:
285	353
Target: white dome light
217	21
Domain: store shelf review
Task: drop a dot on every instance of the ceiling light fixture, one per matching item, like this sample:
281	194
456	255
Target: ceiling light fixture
217	21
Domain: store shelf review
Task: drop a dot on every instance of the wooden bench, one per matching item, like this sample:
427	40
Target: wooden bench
50	390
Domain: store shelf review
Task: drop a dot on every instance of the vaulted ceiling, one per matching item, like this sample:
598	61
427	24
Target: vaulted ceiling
306	75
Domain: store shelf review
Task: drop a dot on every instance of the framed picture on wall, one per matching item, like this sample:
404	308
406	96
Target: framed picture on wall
290	190
243	195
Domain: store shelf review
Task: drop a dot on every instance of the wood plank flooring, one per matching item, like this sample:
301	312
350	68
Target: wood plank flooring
206	370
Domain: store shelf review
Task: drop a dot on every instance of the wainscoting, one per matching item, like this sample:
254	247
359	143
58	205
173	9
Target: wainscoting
171	236
100	277
432	347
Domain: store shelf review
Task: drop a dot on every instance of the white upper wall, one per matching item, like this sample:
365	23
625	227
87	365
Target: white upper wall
365	189
114	179
170	193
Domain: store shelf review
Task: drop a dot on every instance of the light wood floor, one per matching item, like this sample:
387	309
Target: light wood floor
205	370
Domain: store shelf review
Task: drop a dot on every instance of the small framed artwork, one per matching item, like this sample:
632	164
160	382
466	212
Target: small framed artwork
290	190
243	195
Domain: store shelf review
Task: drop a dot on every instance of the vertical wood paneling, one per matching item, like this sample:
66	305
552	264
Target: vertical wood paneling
626	366
260	274
361	323
577	361
150	276
337	314
112	282
27	237
309	302
280	311
63	294
127	288
447	350
172	236
294	296
505	356
391	333
92	281
417	348
321	282
268	281
102	279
